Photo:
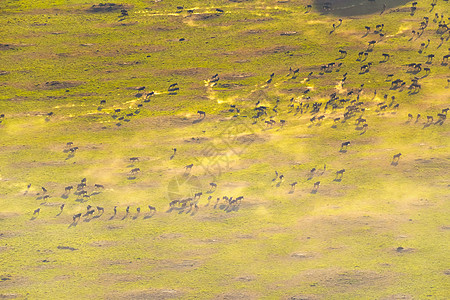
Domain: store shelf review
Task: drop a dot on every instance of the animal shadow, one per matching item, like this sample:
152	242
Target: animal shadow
74	224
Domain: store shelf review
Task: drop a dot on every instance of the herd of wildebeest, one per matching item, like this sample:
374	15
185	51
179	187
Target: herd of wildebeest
265	115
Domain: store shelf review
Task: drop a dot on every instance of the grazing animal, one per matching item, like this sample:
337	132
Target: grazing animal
128	209
429	119
68	188
213	185
100	209
115	210
151	208
62	207
340	173
76	217
89	213
135	171
44	189
316	185
396	156
99	186
37	211
46	197
345	144
189	167
201	113
138	210
102	102
134	159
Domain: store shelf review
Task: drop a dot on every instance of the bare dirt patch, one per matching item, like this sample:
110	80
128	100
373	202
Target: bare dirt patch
303	297
105	7
55	85
147	294
398	297
236	295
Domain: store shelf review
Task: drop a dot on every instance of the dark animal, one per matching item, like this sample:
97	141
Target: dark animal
134	159
151	208
77	216
68	188
135	171
100	209
340	173
201	113
345	144
99	186
37	211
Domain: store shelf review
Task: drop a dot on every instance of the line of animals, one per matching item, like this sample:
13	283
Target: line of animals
181	204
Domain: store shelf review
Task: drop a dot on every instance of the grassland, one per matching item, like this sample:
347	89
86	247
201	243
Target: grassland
381	232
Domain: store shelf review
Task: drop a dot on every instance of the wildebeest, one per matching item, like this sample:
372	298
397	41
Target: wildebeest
340	173
430	119
201	113
396	157
37	211
343	53
100	209
345	144
151	208
99	186
189	167
77	216
68	188
135	171
44	189
316	185
89	213
134	159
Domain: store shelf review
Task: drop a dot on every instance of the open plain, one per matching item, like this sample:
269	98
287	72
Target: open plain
240	149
